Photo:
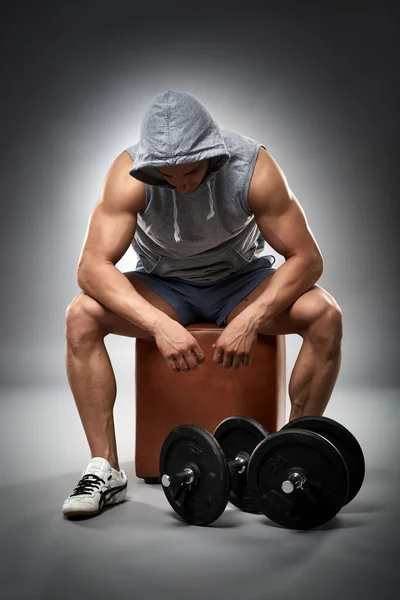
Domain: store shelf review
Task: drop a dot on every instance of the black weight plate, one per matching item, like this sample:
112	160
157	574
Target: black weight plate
344	441
240	434
204	502
326	472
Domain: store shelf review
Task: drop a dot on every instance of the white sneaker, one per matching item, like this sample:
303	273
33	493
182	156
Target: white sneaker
99	485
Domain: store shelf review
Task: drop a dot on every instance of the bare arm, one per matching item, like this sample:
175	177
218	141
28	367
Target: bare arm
112	225
283	225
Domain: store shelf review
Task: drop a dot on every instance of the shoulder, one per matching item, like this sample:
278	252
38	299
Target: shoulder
120	184
268	185
238	144
243	152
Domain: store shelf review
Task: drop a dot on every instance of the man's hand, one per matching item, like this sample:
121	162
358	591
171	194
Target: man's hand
178	346
235	344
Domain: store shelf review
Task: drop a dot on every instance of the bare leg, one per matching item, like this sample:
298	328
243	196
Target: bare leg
317	318
89	370
312	381
93	386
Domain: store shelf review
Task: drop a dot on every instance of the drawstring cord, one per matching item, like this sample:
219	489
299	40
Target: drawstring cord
177	232
211	202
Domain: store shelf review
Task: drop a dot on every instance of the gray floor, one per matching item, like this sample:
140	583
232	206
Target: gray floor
142	549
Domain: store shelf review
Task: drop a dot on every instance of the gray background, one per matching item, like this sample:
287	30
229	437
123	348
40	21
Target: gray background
318	85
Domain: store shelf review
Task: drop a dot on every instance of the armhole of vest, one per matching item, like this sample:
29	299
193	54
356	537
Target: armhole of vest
244	199
147	200
128	150
146	187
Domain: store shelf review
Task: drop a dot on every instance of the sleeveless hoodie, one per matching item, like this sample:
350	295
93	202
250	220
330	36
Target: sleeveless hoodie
204	236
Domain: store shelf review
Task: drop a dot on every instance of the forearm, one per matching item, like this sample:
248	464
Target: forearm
292	279
105	283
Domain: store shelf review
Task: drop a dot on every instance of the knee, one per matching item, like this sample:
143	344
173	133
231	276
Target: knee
326	329
82	320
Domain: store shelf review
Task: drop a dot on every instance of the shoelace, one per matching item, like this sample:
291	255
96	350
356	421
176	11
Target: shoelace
87	484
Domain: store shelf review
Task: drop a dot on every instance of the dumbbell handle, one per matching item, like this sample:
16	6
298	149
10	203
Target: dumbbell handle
186	476
298	481
238	465
293	482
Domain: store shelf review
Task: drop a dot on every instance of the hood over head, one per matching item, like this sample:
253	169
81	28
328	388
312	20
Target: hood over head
177	129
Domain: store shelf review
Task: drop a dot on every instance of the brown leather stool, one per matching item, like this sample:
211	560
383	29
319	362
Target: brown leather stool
206	396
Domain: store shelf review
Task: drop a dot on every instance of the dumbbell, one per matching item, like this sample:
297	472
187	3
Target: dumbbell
201	472
305	473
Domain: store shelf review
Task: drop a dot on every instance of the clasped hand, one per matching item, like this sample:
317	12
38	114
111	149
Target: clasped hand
182	351
235	345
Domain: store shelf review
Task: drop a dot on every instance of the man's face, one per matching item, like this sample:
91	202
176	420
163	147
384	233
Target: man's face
185	178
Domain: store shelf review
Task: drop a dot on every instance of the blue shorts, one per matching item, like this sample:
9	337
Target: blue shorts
211	303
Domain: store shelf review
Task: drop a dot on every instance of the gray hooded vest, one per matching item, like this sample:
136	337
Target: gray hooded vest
204	236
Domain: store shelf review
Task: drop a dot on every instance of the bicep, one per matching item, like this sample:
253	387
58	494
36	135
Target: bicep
109	233
286	229
278	213
112	223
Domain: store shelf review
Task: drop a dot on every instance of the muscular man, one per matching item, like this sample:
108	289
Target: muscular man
197	203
